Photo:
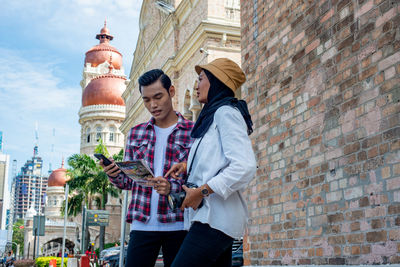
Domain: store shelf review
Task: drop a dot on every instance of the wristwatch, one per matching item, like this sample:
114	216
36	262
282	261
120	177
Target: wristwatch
205	192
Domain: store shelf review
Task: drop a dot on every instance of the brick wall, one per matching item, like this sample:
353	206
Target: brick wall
323	91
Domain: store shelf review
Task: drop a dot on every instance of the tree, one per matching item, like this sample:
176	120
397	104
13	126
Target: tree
89	184
18	235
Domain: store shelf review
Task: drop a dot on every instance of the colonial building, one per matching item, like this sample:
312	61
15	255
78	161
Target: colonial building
51	243
103	109
101	115
323	91
175	36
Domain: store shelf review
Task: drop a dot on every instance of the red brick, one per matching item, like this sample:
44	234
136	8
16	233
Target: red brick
374	237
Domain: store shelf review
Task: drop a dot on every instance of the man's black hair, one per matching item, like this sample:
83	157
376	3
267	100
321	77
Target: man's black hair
152	76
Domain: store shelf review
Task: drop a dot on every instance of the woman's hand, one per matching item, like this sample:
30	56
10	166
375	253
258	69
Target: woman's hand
160	184
177	170
193	198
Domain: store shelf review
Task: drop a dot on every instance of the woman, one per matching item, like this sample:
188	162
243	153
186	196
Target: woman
221	163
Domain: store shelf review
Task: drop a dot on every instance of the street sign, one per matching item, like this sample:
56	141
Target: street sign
97	217
38	225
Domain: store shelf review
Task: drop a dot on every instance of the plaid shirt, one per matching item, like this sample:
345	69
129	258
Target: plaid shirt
140	145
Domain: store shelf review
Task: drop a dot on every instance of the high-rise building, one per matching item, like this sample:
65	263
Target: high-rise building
30	185
103	109
4	190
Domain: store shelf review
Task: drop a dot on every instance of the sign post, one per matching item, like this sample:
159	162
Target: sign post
65	223
97	217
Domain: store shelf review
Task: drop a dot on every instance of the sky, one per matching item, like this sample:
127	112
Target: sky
42	50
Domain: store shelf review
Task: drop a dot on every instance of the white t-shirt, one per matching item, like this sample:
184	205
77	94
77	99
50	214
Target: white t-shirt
154	224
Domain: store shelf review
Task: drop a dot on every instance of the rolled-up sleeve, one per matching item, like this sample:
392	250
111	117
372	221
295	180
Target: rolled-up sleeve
121	181
237	149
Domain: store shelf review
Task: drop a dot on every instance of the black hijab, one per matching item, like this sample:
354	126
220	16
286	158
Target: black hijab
219	95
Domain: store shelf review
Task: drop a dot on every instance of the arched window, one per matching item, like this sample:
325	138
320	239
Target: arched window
112	133
88	135
98	133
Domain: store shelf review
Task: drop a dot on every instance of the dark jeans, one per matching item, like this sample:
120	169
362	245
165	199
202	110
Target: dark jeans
203	247
144	246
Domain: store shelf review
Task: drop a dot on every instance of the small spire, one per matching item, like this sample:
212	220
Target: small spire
62	162
105	22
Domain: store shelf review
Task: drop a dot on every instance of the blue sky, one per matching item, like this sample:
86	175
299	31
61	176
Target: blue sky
42	49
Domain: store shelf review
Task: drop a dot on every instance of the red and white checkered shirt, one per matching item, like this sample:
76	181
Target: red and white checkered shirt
140	145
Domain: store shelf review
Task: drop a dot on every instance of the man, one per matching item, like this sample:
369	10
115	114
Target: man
10	260
162	142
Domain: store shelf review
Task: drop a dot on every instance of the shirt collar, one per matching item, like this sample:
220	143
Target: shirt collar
182	122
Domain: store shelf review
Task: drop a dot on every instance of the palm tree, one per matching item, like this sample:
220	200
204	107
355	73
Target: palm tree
89	184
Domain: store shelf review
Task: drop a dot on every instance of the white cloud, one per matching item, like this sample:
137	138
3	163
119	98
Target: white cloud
40	82
72	25
32	86
30	92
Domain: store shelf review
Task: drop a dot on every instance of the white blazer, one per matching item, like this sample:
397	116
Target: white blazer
225	161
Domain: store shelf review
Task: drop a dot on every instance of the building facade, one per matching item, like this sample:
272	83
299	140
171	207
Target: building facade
101	115
103	109
323	91
175	37
51	243
4	190
30	186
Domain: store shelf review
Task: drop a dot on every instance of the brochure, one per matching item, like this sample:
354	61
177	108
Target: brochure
137	170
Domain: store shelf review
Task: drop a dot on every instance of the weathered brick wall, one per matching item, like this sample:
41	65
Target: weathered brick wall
323	90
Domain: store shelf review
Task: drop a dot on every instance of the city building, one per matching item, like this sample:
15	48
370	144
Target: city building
4	190
175	36
30	187
323	91
103	109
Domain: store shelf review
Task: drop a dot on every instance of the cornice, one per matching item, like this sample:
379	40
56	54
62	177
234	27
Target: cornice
173	20
104	112
204	30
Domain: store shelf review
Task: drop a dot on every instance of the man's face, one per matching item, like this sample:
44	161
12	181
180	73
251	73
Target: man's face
157	100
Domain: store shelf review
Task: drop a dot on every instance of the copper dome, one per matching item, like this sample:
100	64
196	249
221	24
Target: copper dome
58	177
102	52
104	89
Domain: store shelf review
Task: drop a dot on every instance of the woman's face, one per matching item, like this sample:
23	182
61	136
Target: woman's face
203	86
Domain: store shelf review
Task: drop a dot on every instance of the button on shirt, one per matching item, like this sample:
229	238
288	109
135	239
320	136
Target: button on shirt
225	161
141	145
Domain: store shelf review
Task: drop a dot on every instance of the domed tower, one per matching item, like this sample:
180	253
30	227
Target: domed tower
103	109
55	193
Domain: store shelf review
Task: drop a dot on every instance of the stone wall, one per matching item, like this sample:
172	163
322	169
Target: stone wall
323	91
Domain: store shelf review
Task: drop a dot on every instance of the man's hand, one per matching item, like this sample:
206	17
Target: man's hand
160	184
111	170
193	198
177	170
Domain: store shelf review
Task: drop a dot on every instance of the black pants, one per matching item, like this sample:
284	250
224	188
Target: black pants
204	247
144	246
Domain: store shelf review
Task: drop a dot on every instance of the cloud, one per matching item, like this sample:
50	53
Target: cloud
41	64
30	92
32	86
72	25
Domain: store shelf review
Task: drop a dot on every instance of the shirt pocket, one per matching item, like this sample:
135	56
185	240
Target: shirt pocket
181	151
139	148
